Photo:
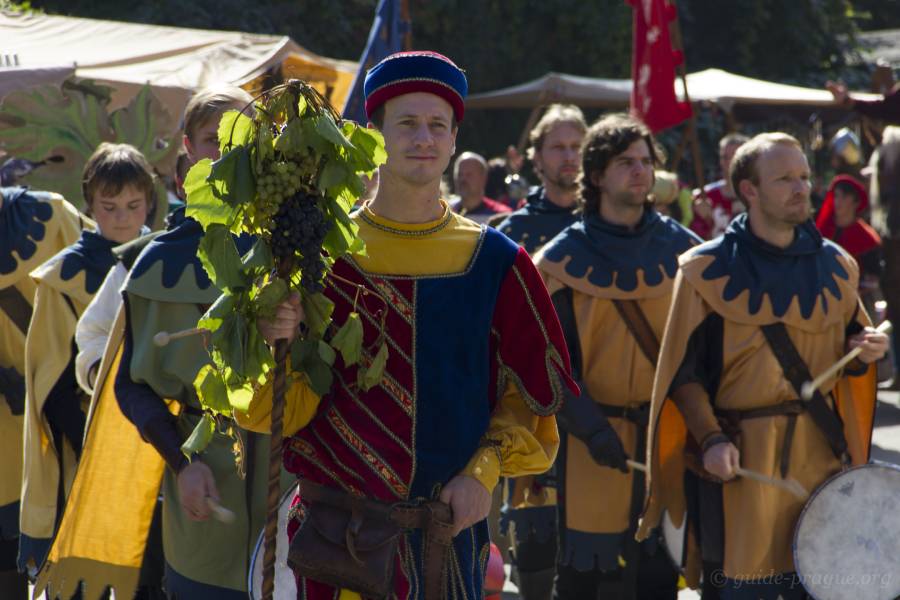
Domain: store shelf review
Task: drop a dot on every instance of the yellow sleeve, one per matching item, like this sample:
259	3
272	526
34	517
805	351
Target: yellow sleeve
300	405
517	442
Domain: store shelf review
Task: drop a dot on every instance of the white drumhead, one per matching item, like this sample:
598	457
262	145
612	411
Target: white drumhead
847	540
285	583
674	539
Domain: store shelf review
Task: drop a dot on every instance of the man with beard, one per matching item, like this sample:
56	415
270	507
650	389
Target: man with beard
610	276
529	511
555	152
754	314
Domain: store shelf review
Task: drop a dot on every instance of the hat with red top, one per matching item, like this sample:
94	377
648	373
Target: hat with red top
417	71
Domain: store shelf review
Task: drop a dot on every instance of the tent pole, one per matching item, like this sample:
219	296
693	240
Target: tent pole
532	120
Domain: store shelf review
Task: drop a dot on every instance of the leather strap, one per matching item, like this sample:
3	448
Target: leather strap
640	328
796	371
16	307
790	409
565	312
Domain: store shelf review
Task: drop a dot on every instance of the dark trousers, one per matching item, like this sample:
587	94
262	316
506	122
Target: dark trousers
657	579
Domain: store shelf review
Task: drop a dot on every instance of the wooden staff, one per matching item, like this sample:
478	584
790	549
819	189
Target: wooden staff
279	385
810	387
164	337
789	485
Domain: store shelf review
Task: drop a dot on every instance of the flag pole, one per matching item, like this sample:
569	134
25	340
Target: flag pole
691	132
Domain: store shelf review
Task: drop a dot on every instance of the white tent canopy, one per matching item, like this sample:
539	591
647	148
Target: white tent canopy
712	85
175	61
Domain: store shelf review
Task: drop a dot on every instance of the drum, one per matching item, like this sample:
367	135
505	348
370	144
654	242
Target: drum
847	540
674	539
285	582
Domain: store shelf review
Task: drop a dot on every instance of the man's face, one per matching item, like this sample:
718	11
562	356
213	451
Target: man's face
628	177
471	177
782	196
419	137
120	216
726	155
558	162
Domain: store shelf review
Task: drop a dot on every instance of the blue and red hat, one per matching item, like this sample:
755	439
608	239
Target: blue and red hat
418	71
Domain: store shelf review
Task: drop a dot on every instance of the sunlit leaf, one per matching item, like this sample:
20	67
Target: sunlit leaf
211	391
200	437
271	295
348	339
235	129
202	203
317	309
219	257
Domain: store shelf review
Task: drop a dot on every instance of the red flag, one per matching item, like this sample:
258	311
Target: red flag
653	65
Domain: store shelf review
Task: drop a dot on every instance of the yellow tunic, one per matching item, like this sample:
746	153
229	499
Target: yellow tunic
759	519
61	230
527	443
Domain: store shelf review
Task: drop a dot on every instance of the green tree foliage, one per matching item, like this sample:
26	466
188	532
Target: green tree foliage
504	42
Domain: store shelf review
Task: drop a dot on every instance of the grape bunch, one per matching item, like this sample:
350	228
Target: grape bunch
299	229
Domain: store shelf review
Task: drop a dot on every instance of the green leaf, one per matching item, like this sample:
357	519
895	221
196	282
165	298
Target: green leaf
370	144
259	257
326	127
259	355
270	296
219	257
371	376
230	341
211	390
342	238
305	359
348	340
265	148
326	352
315	140
335	173
202	203
291	139
232	176
317	309
200	437
235	129
221	308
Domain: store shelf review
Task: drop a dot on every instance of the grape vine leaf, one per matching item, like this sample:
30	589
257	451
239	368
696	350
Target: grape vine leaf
200	437
221	308
371	376
270	295
235	129
348	340
326	352
210	386
202	204
219	256
259	257
326	127
317	309
292	138
231	177
369	146
230	341
342	238
305	358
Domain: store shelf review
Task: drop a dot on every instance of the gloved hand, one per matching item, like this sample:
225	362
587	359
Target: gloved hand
607	450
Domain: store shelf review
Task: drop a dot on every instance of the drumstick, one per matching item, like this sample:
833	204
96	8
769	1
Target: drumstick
219	512
791	485
164	337
810	387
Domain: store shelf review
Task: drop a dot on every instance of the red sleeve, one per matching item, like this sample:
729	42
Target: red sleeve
527	344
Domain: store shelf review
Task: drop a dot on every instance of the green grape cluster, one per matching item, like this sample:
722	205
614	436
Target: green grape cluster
278	180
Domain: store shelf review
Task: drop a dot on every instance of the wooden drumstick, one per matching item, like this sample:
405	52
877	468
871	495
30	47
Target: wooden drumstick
219	512
164	337
790	485
810	387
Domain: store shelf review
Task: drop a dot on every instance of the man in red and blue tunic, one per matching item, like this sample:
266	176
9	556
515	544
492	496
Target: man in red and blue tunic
477	362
